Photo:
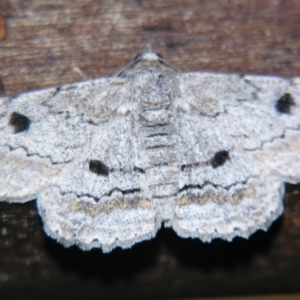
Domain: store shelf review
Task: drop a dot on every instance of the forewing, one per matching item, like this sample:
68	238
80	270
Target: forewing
71	148
240	137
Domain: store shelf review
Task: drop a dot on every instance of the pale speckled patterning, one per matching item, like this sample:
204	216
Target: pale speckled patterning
109	160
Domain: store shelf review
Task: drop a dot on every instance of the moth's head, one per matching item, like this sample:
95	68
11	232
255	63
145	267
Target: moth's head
148	56
147	60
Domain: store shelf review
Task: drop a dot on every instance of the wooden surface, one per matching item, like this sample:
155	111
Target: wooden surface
47	43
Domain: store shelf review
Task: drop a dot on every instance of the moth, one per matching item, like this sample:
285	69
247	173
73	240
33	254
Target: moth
113	159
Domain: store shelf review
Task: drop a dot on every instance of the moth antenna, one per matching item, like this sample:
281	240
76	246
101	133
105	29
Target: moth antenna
148	48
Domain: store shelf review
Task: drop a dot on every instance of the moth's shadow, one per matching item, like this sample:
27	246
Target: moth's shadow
190	252
224	255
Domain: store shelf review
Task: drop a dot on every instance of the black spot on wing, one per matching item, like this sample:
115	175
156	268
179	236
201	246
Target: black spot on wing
98	167
19	122
139	170
284	104
219	158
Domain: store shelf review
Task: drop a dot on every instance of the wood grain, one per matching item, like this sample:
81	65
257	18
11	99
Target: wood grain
49	43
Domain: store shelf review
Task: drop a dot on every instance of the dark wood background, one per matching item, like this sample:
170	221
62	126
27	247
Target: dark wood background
48	43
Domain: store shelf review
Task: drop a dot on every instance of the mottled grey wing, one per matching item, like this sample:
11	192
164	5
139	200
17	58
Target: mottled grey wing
241	141
72	148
